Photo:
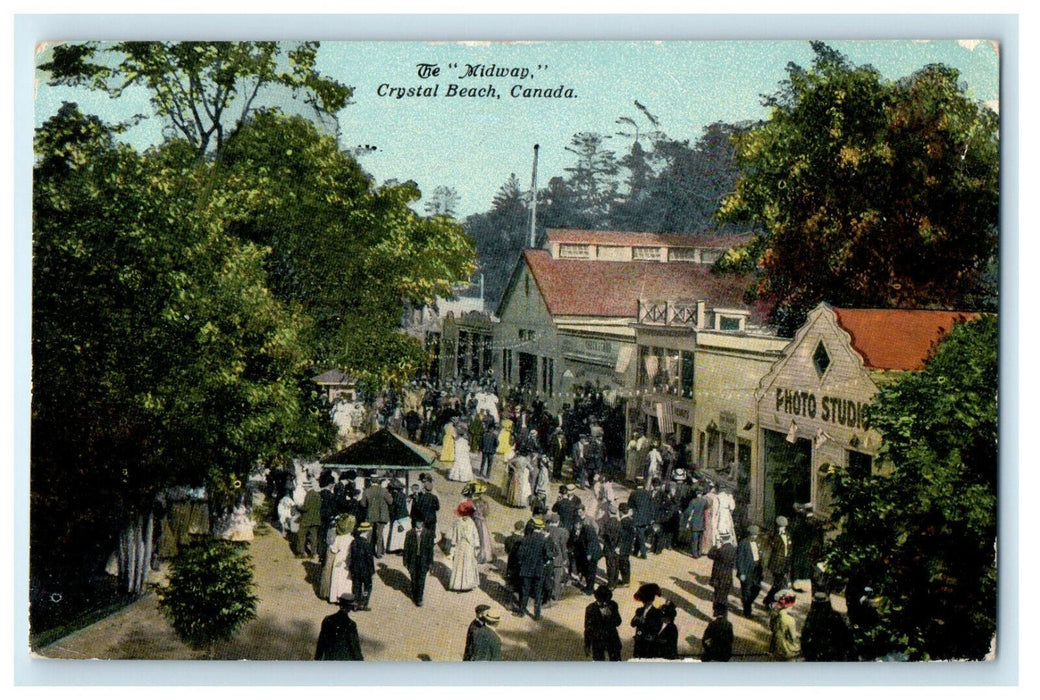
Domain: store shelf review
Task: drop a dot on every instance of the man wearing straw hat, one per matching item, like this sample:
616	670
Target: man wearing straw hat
482	643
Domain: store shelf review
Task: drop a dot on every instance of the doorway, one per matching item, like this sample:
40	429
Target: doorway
786	475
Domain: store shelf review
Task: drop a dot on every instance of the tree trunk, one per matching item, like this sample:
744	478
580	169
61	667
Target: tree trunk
135	552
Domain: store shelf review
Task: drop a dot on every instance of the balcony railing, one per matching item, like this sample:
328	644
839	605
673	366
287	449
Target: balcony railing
668	313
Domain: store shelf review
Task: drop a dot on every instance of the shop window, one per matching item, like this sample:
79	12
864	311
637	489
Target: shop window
821	360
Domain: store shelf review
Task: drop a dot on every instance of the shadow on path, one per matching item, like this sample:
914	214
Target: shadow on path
392	578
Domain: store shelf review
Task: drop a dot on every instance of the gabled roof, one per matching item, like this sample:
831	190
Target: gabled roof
613	289
633	238
333	376
897	339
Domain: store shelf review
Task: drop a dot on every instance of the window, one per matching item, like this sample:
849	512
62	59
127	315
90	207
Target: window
507	366
729	323
550	361
574	251
821	360
682	255
687	375
646	253
710	255
527	286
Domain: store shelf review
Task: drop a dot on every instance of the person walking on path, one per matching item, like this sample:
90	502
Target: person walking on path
609	534
335	576
587	549
465	540
642	517
418	558
533	556
779	561
310	523
448	444
475	491
462	468
558	451
825	636
627	535
399	520
558	538
749	569
667	642
647	621
718	639
482	643
488	449
693	520
426	504
362	564
338	639
723	558
602	619
711	504
377	502
783	643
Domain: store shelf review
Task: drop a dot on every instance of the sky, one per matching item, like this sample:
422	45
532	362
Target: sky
473	143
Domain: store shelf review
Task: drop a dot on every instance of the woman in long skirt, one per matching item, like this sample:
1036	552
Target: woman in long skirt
462	469
335	576
465	574
519	490
708	538
482	510
505	438
603	488
448	446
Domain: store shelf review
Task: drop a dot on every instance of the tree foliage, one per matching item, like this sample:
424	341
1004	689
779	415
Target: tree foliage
923	530
871	192
159	355
347	253
205	91
211	593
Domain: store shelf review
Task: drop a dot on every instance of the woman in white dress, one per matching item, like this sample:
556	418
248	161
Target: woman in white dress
722	518
605	498
465	541
335	576
462	468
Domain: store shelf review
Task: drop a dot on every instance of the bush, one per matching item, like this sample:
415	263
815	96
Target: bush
210	594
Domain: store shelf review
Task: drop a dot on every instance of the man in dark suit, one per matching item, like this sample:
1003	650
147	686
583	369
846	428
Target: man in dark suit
693	520
587	550
609	534
533	555
718	639
779	562
724	557
488	448
418	558
426	504
558	451
310	523
642	516
512	546
482	644
362	565
338	639
558	538
749	569
626	542
377	501
601	622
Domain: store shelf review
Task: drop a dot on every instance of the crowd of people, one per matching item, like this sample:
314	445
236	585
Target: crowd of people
517	455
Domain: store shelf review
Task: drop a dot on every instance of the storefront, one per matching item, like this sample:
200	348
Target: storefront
811	415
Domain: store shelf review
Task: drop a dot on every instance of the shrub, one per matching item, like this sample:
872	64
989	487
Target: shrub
210	594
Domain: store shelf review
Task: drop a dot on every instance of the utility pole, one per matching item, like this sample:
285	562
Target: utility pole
534	193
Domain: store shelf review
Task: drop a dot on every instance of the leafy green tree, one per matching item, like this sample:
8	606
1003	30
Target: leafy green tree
211	593
593	177
872	192
499	235
922	529
159	355
350	255
205	91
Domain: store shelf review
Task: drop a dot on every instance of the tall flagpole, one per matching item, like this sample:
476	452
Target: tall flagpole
534	193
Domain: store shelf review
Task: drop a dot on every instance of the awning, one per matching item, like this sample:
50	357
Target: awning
381	450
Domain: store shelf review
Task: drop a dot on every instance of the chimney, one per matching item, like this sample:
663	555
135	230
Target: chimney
702	313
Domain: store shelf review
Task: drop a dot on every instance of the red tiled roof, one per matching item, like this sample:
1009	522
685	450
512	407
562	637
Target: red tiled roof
613	289
633	238
897	339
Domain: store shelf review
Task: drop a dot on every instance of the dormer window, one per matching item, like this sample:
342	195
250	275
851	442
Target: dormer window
646	253
574	251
